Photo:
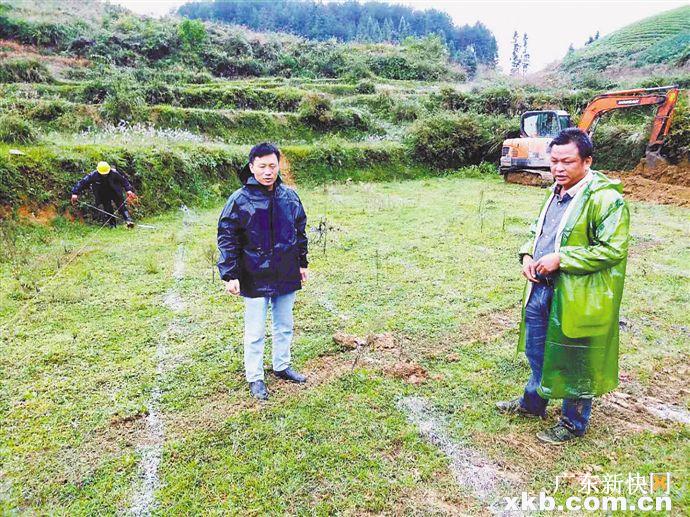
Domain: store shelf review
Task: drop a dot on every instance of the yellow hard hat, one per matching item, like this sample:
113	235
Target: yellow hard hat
103	167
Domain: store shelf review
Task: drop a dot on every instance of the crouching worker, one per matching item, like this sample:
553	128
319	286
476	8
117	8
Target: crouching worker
107	185
262	242
575	267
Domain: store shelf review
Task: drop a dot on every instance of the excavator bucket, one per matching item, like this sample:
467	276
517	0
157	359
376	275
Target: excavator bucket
653	160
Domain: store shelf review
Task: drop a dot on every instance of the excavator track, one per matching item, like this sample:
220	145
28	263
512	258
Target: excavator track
534	177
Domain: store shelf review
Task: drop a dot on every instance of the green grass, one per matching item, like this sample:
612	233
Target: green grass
432	261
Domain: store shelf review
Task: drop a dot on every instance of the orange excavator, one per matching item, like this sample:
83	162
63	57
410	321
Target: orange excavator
526	159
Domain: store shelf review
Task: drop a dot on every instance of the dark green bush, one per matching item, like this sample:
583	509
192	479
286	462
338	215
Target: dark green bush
236	97
619	147
124	101
316	110
677	144
37	33
405	111
16	130
334	159
49	110
352	119
449	140
365	87
159	92
16	70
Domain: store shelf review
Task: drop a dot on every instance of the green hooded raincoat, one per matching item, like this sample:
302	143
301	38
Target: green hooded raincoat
581	350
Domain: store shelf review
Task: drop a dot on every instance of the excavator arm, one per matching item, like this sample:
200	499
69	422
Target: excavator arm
664	98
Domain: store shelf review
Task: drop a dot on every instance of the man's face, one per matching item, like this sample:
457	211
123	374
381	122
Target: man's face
566	165
265	169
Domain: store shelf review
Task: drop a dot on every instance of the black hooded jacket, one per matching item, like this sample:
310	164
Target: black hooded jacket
262	239
102	184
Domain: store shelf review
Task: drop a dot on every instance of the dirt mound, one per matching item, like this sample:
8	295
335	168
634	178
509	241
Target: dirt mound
664	172
643	189
385	341
656	182
383	351
410	372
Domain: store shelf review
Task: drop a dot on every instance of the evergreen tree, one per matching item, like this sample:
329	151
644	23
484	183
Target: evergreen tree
361	31
524	59
373	30
468	60
387	30
515	57
347	20
403	29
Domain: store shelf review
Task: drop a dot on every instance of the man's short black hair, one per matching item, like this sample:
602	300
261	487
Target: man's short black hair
263	149
576	136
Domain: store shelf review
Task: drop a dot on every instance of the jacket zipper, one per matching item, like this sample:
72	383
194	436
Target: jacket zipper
270	215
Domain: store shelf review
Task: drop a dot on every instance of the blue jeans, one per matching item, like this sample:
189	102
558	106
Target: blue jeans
575	412
255	310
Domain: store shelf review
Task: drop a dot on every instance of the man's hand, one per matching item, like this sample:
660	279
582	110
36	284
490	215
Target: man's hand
132	197
74	199
304	273
548	264
232	287
528	269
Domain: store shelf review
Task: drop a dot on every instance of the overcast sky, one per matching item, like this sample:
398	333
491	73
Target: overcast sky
550	25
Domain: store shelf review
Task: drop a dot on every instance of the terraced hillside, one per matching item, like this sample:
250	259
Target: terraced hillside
661	39
151	97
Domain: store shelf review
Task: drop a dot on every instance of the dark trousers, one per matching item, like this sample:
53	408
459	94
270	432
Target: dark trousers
575	412
110	201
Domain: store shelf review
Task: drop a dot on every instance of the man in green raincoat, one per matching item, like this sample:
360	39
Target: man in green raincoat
575	267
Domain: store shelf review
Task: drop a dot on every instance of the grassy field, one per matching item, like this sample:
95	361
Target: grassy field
135	352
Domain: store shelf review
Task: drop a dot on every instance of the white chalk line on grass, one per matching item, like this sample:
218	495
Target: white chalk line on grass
148	480
471	468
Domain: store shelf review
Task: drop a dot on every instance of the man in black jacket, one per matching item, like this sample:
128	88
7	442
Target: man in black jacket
263	257
107	185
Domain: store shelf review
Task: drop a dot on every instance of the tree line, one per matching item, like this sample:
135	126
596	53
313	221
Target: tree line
371	22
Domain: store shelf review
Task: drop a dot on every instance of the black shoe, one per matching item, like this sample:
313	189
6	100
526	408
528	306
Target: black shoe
258	390
290	375
557	435
129	223
514	407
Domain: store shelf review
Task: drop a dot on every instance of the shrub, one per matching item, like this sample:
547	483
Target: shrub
454	100
16	130
619	147
449	140
316	110
159	92
405	111
124	101
358	69
192	33
352	118
48	110
365	87
676	147
24	71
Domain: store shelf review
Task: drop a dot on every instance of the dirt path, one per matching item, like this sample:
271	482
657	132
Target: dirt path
151	450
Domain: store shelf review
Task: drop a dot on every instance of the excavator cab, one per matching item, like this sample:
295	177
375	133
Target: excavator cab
544	123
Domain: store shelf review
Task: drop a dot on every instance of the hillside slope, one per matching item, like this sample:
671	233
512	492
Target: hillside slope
663	39
195	51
